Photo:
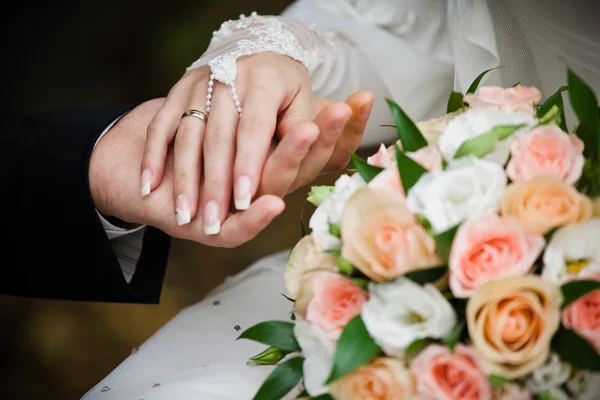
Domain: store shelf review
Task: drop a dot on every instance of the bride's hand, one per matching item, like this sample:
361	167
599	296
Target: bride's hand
275	94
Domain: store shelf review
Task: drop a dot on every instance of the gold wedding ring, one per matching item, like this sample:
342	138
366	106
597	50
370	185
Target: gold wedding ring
196	113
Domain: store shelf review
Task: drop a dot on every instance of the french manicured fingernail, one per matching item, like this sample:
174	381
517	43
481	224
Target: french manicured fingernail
366	108
145	182
182	209
242	195
212	223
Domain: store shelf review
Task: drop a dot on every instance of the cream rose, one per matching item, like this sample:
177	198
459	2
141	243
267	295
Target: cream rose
489	248
517	98
445	375
395	319
467	189
544	203
384	378
583	315
329	301
572	251
546	150
511	322
305	258
382	238
476	122
432	129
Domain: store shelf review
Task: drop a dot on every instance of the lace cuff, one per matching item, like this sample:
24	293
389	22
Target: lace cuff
302	41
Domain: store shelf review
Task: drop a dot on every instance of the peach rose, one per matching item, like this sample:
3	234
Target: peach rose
511	322
545	202
490	248
329	301
384	378
546	150
583	315
305	258
382	238
433	128
517	98
445	375
429	157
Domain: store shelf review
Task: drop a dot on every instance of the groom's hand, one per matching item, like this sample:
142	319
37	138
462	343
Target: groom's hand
116	160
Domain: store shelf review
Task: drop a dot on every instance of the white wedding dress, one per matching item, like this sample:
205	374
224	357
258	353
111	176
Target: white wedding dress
414	51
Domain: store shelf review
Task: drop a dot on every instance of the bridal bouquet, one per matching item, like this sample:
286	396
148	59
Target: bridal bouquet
463	262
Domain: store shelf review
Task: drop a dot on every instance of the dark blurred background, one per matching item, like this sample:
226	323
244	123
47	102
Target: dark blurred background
71	54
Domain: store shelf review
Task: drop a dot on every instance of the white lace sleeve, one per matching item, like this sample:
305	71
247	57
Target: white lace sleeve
321	51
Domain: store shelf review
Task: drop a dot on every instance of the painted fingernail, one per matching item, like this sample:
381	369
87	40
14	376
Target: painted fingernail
212	223
242	193
182	209
145	182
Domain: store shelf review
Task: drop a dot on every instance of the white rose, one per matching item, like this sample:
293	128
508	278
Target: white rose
467	189
330	211
572	252
553	373
476	122
399	312
318	351
584	385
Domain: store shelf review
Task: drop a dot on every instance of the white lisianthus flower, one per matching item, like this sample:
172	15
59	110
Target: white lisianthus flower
572	251
553	373
476	122
318	351
467	189
400	312
330	211
584	385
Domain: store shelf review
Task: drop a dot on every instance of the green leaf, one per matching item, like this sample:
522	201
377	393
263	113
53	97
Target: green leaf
574	350
387	126
429	275
443	243
344	266
477	80
354	349
555	100
410	170
318	194
516	84
273	333
288	298
483	144
497	381
575	289
368	172
553	115
334	229
455	102
410	136
454	337
417	345
283	379
334	252
270	356
585	105
362	282
303	229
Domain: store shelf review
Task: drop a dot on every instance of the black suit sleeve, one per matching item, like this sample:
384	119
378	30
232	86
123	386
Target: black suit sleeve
53	243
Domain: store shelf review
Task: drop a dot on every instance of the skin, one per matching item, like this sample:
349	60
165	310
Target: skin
276	97
306	148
